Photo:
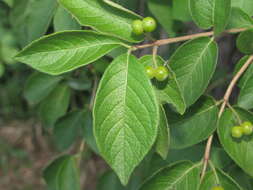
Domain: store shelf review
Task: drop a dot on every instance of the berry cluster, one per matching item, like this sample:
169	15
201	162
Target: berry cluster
246	128
161	73
217	187
148	24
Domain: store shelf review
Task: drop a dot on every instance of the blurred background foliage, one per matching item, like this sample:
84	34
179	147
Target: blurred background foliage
38	110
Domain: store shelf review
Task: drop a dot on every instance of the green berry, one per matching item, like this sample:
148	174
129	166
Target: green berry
149	24
247	128
237	132
150	72
2	69
161	73
217	187
137	27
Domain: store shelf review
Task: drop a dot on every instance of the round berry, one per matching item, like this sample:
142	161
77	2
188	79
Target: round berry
247	128
149	24
2	69
161	73
237	132
137	27
150	72
217	187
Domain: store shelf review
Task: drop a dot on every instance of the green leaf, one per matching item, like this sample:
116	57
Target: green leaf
245	5
63	174
67	129
126	115
181	10
55	105
208	13
241	151
163	13
212	178
239	19
170	92
109	181
38	86
103	17
30	19
163	137
64	21
65	51
194	64
197	124
179	176
245	42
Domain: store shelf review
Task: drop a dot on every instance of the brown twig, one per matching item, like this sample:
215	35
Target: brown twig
184	38
223	106
154	53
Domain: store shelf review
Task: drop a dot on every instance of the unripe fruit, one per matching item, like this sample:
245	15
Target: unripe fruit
137	27
2	69
161	73
217	187
149	24
150	72
237	132
247	128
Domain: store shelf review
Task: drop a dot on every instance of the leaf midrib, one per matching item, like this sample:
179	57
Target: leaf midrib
70	49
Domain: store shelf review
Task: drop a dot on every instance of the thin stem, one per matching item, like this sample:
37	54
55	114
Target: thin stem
93	94
184	38
94	89
155	49
225	101
235	113
214	171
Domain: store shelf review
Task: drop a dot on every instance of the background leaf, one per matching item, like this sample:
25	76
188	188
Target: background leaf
103	17
163	137
121	130
68	128
55	105
39	86
30	19
245	42
64	21
245	5
194	63
208	13
65	51
197	124
239	19
179	176
181	10
240	150
88	132
221	15
163	13
62	174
